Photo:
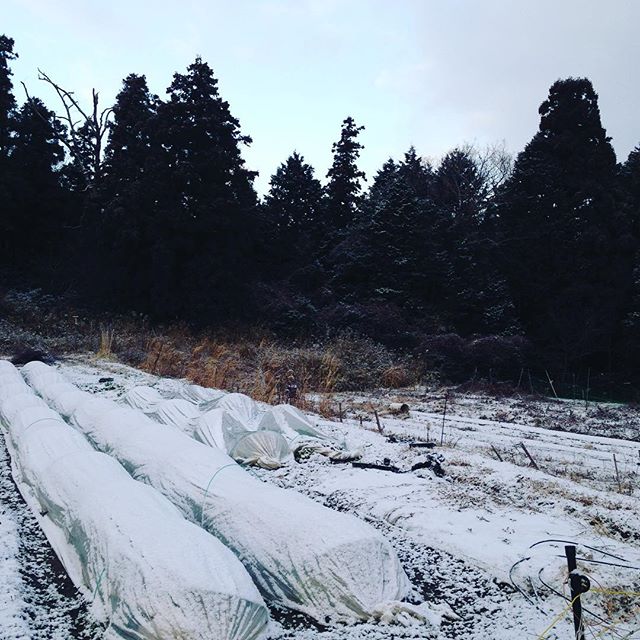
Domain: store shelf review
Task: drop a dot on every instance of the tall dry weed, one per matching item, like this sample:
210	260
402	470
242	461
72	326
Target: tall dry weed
107	335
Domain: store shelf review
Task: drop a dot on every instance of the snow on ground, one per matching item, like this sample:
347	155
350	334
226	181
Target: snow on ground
462	536
13	621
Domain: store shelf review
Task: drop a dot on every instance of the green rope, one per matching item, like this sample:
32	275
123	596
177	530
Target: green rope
206	491
44	420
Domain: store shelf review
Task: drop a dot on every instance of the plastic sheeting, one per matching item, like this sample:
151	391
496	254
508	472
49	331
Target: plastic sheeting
202	397
177	412
241	407
251	433
148	573
255	435
143	398
290	422
218	428
329	565
265	449
301	436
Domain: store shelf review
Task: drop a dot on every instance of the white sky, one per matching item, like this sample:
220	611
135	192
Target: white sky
434	74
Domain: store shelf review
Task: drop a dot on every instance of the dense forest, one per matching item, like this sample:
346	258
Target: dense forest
479	264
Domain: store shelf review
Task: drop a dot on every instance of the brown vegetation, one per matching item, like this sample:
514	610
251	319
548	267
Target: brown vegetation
252	361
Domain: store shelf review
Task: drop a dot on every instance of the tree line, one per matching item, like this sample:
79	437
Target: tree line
149	206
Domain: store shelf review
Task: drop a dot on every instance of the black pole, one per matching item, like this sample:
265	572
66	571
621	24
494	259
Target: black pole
574	582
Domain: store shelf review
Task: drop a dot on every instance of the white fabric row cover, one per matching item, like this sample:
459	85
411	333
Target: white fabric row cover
216	427
283	418
148	573
283	426
253	416
143	398
249	432
290	422
203	397
147	398
300	554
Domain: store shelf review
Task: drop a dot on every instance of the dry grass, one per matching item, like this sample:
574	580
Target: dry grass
396	376
107	335
249	361
258	367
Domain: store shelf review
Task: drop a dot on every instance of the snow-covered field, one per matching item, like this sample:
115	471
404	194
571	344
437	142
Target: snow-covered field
483	544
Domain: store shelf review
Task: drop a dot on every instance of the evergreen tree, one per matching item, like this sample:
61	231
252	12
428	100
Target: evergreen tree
417	173
415	225
399	233
9	208
379	191
459	189
475	297
353	262
205	201
291	213
630	183
7	100
39	211
628	343
128	196
343	190
565	243
390	261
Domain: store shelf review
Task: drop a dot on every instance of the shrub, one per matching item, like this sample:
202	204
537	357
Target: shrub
489	357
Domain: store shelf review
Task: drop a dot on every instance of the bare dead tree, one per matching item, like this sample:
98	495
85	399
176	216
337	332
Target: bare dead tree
85	130
494	163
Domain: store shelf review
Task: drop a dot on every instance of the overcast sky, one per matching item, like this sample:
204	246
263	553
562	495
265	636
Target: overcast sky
434	74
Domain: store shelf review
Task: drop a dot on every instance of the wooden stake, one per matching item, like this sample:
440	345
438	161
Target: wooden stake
615	464
444	417
340	410
497	454
361	422
533	462
586	393
551	384
375	413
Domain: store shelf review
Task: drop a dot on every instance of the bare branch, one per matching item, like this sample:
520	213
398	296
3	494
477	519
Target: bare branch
493	161
84	145
32	103
68	95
